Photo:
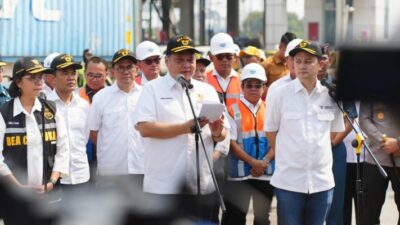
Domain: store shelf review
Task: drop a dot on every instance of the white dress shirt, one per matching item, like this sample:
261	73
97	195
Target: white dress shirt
224	82
35	146
280	82
304	123
144	79
170	163
119	144
75	120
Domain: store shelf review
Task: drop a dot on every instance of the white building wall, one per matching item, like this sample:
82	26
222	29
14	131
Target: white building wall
313	12
368	19
276	22
394	20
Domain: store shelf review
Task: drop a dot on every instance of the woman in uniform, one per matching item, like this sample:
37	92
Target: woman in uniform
30	159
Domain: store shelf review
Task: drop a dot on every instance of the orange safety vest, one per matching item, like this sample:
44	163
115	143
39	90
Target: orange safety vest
250	136
232	93
82	94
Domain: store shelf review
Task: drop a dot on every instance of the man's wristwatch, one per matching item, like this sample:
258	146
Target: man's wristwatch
267	159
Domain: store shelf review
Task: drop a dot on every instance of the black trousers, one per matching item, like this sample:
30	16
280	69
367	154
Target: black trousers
375	192
237	199
19	210
350	194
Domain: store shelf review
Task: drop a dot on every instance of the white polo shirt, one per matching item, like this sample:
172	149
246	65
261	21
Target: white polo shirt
119	145
170	163
75	120
35	146
304	123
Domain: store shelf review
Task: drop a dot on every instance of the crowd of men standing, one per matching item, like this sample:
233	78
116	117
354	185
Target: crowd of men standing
281	134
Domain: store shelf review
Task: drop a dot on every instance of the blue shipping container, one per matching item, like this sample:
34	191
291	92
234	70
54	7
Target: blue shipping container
39	27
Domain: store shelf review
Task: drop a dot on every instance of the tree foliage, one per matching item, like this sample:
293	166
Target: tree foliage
295	25
253	25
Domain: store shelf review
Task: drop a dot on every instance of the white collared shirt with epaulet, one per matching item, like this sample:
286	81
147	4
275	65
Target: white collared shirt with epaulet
119	144
303	123
171	163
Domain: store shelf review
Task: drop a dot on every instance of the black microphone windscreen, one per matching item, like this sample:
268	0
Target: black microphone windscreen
42	96
354	143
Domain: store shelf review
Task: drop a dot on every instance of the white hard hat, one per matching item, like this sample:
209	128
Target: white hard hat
291	45
253	70
146	49
47	61
222	43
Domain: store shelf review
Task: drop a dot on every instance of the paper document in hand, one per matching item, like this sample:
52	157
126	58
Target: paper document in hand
211	110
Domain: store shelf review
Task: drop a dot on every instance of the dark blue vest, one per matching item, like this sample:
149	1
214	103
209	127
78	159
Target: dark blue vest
15	139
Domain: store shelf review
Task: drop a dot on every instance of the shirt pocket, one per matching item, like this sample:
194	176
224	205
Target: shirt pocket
292	121
113	117
324	121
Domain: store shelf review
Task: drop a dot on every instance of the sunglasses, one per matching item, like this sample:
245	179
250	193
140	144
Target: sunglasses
256	86
226	56
151	61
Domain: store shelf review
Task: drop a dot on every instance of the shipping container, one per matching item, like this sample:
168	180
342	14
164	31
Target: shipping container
39	27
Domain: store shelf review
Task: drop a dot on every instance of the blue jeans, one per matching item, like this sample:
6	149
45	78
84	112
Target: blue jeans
335	215
296	208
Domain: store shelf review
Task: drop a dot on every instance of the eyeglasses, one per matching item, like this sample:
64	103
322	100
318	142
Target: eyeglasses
224	55
151	61
122	69
34	77
95	76
256	86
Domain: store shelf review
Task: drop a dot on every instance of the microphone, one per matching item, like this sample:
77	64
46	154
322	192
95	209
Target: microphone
42	96
185	83
358	142
330	85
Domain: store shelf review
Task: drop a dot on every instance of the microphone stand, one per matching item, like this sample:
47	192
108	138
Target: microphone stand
197	137
357	143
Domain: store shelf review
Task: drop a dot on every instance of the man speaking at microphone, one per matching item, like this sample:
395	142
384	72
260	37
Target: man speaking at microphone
165	120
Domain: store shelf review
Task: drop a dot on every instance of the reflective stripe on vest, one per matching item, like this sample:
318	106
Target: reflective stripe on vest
251	138
232	93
